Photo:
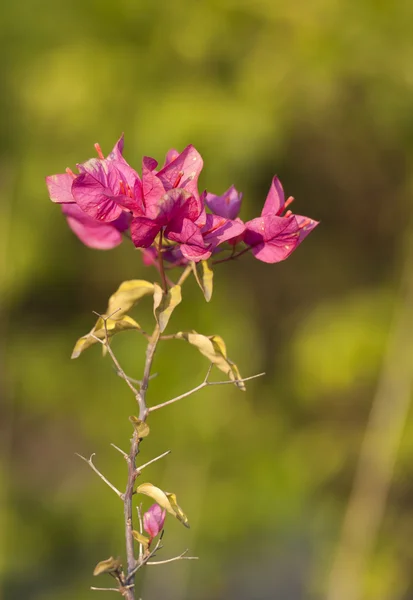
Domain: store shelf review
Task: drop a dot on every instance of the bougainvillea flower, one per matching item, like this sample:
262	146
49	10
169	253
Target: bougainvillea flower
101	236
153	520
274	236
60	186
228	205
102	186
176	213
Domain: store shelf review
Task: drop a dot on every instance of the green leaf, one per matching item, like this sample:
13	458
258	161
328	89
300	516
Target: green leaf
204	277
164	304
126	296
165	500
213	347
98	331
110	565
141	428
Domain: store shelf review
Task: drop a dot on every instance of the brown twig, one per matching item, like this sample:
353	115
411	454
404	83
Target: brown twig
139	469
144	560
202	385
92	466
169	560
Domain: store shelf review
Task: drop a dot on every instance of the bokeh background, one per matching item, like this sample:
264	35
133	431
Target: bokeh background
320	93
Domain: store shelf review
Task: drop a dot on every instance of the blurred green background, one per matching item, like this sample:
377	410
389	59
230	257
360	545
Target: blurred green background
320	93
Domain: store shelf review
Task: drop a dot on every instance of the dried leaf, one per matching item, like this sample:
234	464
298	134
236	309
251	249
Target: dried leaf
141	428
204	277
98	331
164	303
165	500
213	347
127	295
110	565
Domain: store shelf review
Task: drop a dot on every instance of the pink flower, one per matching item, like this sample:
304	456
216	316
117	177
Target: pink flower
274	236
153	520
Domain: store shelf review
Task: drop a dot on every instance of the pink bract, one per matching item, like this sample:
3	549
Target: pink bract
153	520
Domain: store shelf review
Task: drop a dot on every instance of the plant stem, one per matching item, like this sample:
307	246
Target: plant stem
161	265
133	472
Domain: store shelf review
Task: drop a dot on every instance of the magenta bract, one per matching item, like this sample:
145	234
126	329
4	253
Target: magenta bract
273	237
107	197
228	205
153	520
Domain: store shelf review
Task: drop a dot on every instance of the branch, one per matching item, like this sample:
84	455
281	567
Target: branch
139	509
202	385
96	589
119	369
180	557
133	472
139	469
92	466
145	559
125	455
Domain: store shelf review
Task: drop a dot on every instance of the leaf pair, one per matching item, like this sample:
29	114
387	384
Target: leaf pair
126	296
165	500
213	347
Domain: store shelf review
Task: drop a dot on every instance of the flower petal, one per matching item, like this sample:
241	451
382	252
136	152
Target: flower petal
144	231
96	197
101	236
183	172
228	205
272	238
60	187
275	199
218	230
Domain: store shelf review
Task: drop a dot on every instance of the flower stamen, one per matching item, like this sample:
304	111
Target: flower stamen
305	223
70	172
178	179
99	151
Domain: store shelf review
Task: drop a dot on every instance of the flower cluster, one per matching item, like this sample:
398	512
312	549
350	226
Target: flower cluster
162	210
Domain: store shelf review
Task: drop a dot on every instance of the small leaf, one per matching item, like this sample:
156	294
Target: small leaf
164	304
141	539
204	278
98	331
127	295
213	347
165	500
110	565
141	428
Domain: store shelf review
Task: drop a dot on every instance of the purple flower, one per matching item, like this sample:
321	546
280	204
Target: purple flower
153	520
228	205
274	236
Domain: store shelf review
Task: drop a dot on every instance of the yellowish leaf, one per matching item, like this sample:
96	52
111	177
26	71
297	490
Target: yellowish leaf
126	296
204	277
110	565
164	303
141	428
141	539
179	513
213	347
165	500
98	331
